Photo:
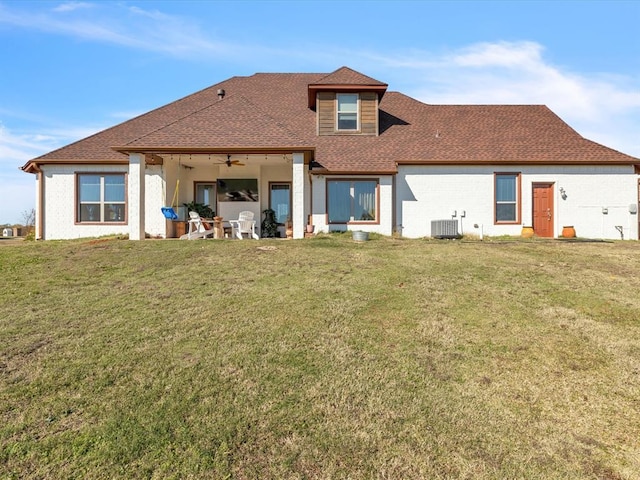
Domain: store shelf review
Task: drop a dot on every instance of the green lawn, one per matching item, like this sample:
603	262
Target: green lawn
320	359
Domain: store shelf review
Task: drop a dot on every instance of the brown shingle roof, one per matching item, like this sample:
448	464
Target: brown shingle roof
347	76
235	122
344	80
269	110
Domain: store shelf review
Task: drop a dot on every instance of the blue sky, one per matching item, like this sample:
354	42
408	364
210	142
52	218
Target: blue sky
70	69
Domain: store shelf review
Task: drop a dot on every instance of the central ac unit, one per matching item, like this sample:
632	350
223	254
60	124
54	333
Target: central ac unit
444	229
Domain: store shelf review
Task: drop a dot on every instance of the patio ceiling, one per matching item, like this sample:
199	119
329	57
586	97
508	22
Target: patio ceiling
220	159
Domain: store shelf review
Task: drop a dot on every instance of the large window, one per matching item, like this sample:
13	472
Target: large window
352	201
280	200
347	118
101	197
507	195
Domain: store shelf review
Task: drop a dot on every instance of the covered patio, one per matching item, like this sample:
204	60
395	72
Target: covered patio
227	181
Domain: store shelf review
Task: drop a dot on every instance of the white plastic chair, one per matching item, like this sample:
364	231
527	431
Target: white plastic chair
197	228
245	224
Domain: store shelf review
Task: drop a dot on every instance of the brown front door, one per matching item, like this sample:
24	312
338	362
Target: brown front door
543	209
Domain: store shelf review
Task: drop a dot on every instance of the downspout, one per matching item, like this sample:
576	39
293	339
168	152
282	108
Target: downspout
39	234
310	216
394	216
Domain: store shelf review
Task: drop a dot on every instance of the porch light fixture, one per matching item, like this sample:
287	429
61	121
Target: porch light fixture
563	194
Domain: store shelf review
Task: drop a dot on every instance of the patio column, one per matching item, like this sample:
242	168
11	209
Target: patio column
297	207
135	212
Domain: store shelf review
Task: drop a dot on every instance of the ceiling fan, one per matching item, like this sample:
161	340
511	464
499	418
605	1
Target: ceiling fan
228	162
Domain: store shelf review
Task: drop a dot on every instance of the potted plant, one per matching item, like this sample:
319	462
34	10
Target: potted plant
201	209
310	226
269	226
288	228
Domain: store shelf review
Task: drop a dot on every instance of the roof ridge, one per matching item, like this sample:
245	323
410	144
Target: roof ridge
268	110
350	71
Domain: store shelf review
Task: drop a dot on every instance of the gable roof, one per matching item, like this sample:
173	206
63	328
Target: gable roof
270	111
344	80
347	76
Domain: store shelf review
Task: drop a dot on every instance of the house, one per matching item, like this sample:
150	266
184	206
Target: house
340	151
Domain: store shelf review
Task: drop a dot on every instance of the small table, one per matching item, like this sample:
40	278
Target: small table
221	229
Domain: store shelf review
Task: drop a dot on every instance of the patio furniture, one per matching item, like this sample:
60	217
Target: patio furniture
197	228
244	225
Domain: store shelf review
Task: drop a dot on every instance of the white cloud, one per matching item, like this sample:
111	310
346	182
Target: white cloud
126	26
502	54
603	108
72	6
18	188
17	149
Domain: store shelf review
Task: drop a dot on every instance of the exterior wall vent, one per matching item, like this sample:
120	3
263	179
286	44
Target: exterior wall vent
444	229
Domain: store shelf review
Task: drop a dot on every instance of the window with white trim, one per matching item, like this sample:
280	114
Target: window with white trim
347	111
352	200
101	198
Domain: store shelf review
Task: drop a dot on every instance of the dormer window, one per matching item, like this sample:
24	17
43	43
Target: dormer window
347	111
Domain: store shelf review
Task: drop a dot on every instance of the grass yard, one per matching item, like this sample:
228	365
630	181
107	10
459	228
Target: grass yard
320	359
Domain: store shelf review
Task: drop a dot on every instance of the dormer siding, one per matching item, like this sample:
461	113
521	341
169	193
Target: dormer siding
326	107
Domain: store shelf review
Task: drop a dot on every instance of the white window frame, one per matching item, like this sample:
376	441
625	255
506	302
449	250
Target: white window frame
339	112
102	202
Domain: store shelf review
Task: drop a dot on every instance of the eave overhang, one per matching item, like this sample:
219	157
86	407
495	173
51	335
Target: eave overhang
31	167
468	162
359	173
313	89
160	150
34	166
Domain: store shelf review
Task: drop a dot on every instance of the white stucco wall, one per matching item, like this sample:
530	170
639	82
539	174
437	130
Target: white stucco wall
422	194
59	200
155	192
434	193
319	202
